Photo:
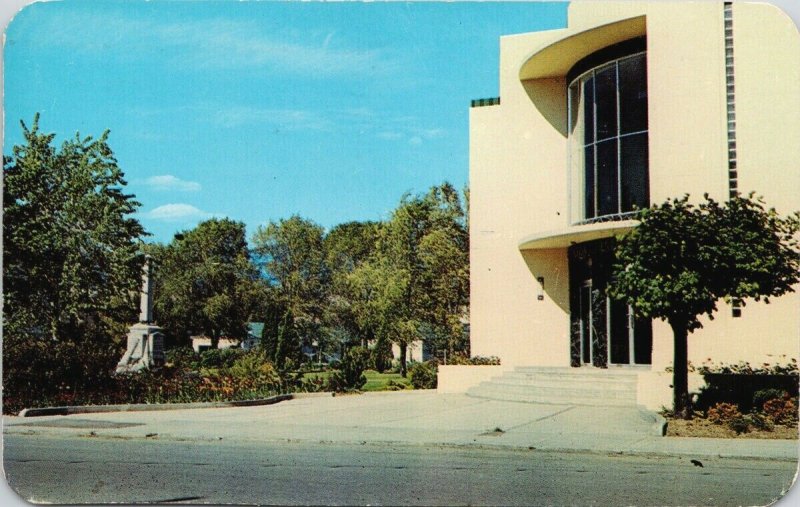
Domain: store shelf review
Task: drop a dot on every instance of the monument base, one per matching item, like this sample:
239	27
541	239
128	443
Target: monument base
145	348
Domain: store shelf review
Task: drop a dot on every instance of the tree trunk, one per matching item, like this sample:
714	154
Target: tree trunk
682	406
403	369
214	340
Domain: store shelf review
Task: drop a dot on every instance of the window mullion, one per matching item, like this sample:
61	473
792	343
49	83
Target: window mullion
619	140
595	197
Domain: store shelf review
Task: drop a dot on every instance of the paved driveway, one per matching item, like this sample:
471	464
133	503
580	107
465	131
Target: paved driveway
413	418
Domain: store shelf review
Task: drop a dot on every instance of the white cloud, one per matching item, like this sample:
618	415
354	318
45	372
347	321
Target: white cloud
214	43
166	182
430	133
177	212
284	119
406	128
390	136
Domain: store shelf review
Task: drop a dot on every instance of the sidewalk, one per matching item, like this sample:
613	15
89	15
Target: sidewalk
410	418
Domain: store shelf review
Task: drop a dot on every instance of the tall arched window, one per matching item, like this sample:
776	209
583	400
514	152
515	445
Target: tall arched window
608	132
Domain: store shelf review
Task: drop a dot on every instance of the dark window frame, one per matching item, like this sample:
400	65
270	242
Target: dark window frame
609	194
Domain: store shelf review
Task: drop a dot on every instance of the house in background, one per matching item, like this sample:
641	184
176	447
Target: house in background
416	351
631	104
254	331
202	343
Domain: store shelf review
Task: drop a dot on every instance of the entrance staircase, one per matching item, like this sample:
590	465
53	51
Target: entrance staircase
561	386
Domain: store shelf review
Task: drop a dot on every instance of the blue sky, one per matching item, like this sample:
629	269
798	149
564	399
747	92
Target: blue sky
260	110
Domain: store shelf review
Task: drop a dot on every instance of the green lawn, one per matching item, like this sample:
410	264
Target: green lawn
375	381
379	381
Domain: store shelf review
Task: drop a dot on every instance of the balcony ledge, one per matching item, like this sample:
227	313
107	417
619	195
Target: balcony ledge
568	236
555	59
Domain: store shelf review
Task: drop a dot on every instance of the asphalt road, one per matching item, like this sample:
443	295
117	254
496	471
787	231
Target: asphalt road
69	469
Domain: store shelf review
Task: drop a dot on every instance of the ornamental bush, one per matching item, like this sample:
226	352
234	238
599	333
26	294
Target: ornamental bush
461	359
219	358
183	357
723	413
350	376
423	375
782	411
761	422
740	424
42	372
762	396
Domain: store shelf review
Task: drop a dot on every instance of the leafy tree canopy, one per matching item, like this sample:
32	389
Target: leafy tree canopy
206	282
683	258
70	245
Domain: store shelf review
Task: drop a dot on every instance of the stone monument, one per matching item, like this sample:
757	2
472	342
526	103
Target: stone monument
145	340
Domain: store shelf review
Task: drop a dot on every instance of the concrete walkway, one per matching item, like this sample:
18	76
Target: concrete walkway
410	418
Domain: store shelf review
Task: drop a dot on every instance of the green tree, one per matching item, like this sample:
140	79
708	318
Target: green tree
287	345
291	256
206	282
272	310
377	293
70	245
683	258
444	254
346	247
427	239
349	244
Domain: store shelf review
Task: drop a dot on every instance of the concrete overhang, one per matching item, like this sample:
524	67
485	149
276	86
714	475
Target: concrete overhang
555	59
563	238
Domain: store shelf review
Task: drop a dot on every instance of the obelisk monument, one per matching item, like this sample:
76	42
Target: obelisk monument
145	340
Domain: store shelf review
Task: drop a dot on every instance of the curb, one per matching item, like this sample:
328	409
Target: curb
93	409
658	425
300	396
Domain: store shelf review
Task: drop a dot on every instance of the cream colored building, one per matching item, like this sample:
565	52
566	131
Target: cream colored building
631	104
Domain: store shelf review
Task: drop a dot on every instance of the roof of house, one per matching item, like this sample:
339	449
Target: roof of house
255	328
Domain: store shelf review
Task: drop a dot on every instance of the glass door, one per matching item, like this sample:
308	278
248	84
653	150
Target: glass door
630	340
585	319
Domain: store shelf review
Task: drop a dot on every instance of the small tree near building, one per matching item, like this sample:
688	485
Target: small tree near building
683	258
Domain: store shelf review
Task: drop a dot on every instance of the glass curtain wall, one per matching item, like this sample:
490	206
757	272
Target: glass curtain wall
608	138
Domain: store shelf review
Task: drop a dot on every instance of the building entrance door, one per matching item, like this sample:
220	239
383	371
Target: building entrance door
585	318
630	340
605	332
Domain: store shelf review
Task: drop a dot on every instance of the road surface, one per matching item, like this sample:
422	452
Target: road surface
73	469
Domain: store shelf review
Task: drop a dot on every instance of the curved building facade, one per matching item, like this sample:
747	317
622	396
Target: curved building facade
631	104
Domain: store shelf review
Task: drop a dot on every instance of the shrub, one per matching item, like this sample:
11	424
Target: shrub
762	396
313	385
253	370
761	422
381	356
423	375
461	359
723	413
392	385
485	361
183	357
219	358
745	368
351	375
42	372
781	411
741	388
740	424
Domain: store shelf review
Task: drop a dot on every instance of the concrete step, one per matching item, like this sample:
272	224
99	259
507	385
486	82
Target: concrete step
506	396
578	382
593	373
565	392
562	386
